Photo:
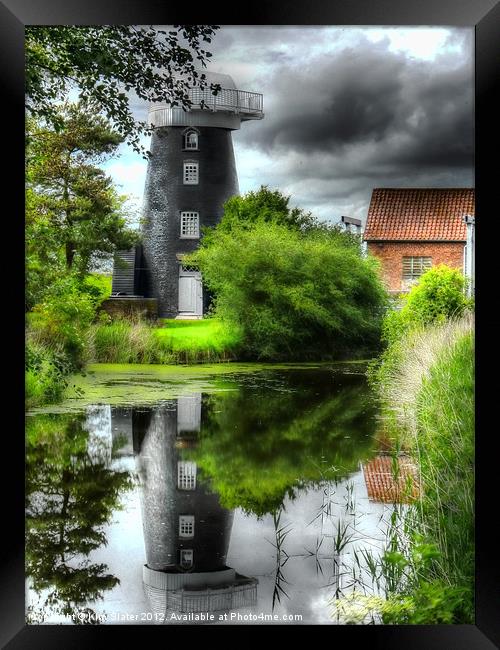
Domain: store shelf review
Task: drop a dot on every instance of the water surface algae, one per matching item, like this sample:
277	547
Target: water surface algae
133	384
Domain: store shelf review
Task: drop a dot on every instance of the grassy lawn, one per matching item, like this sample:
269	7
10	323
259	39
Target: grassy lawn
194	341
197	335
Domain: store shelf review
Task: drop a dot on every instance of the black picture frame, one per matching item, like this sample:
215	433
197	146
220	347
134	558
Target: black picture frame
484	15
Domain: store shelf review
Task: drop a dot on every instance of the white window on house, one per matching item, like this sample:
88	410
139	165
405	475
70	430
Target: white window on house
186	475
186	526
190	225
186	558
190	174
414	267
190	140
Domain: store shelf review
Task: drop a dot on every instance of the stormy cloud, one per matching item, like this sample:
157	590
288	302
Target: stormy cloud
348	109
338	124
412	109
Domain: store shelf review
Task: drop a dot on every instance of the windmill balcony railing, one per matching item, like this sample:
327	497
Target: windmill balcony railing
228	99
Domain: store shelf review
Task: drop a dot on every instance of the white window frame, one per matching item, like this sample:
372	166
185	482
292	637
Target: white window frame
190	172
187	553
185	140
417	264
186	526
186	231
186	475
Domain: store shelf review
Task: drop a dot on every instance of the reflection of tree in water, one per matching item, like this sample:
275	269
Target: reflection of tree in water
70	495
259	445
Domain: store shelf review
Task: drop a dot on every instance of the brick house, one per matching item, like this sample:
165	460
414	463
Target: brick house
410	230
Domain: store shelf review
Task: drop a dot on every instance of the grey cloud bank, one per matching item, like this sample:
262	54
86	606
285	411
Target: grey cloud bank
348	109
358	116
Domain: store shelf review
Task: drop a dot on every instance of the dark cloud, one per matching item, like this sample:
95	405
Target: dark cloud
364	116
342	120
417	112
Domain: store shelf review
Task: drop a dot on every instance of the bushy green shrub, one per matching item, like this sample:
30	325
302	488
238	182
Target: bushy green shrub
65	315
46	371
57	336
293	295
438	295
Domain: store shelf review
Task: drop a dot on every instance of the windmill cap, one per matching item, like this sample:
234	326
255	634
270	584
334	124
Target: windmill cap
224	80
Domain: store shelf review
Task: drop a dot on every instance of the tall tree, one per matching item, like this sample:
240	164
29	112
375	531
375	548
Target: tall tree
272	206
264	205
106	63
74	214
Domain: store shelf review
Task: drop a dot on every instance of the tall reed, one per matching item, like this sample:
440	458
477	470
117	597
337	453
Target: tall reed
426	382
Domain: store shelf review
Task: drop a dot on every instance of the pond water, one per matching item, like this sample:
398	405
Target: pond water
233	496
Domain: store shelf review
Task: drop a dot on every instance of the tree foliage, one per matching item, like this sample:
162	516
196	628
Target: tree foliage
73	213
272	206
264	205
71	494
106	63
438	295
294	294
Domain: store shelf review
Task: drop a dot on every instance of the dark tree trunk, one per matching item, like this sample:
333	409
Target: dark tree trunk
70	254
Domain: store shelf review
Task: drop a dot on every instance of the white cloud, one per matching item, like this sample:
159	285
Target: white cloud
419	42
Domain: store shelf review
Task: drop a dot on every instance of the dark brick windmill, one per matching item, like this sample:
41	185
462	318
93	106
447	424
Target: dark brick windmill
191	173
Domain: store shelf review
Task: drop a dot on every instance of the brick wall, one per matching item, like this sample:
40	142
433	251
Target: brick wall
391	256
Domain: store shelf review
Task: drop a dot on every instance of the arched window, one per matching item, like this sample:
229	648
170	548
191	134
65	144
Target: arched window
190	139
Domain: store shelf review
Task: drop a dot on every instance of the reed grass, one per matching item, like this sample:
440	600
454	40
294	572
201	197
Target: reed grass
404	368
426	382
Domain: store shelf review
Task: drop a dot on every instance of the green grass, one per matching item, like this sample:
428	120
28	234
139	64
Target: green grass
207	337
426	382
201	341
445	451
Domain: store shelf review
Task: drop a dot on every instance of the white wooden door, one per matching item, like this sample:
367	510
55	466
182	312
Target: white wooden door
190	293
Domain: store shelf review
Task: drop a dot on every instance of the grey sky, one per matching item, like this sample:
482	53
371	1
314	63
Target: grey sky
346	109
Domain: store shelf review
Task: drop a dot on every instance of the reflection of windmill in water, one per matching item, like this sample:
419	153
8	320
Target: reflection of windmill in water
186	530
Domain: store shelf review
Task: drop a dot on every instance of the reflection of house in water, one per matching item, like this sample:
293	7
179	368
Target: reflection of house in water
186	530
391	480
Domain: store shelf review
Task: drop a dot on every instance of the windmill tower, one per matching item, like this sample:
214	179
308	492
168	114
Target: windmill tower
191	173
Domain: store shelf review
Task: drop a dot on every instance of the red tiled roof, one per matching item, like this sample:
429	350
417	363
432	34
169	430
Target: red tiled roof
391	480
418	214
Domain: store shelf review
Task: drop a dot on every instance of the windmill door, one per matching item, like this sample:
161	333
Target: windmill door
190	294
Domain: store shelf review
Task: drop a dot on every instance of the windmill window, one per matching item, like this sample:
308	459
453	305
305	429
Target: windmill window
186	475
190	173
190	225
191	140
186	558
186	526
